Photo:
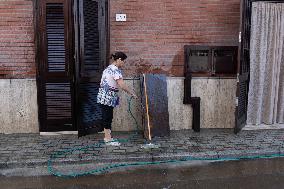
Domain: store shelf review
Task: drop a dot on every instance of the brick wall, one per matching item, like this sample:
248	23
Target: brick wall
153	36
17	52
156	31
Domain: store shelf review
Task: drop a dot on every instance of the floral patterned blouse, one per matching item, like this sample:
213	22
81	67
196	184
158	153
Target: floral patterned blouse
108	91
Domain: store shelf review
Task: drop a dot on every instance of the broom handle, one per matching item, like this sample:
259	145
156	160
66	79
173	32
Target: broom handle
147	109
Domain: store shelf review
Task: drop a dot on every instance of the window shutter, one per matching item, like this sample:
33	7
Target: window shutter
92	40
55	66
243	66
55	37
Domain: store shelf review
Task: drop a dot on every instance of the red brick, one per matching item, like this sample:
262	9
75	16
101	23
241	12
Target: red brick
156	31
153	36
17	57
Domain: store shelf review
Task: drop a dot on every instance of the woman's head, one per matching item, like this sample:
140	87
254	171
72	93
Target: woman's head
119	55
119	58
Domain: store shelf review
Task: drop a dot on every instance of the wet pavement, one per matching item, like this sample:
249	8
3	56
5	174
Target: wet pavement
246	174
27	154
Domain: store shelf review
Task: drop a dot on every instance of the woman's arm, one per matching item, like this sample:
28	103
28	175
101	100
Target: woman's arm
122	85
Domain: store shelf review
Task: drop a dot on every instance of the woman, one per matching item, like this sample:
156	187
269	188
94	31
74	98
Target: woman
108	93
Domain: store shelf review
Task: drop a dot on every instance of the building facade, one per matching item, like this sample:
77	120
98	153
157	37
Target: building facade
153	36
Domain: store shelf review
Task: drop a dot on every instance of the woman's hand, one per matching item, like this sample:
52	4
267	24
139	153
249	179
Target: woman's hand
122	85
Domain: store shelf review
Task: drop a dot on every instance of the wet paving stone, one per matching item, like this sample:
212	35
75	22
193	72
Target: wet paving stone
22	148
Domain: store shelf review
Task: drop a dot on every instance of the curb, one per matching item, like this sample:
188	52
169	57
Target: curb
39	167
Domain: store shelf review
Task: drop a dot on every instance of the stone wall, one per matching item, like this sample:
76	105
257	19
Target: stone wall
217	104
19	110
18	107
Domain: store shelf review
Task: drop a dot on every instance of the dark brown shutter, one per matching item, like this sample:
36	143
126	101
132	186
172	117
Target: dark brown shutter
243	66
91	55
55	66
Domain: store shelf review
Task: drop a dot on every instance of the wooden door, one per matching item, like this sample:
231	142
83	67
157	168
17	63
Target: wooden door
55	66
91	36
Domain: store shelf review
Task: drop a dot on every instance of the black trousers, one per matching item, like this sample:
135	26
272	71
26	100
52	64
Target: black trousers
107	115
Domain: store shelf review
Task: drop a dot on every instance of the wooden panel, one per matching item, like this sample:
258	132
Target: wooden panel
89	110
91	38
58	100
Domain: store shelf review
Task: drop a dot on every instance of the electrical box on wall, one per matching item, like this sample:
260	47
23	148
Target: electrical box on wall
120	17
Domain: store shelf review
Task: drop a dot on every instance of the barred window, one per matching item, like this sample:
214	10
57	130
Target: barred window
211	61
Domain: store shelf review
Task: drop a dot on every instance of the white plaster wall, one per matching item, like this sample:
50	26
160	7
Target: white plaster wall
18	106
